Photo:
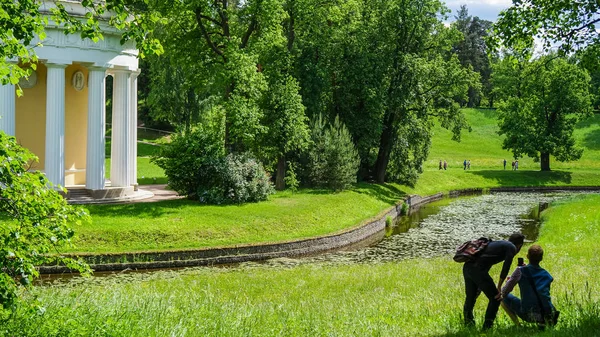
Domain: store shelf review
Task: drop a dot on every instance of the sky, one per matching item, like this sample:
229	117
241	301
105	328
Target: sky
484	9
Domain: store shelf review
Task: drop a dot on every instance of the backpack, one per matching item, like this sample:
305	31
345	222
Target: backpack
470	250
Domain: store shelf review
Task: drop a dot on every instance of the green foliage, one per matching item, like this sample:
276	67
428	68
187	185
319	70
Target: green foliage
191	160
332	158
565	23
238	178
539	119
34	221
291	180
20	23
388	221
472	52
404	209
198	168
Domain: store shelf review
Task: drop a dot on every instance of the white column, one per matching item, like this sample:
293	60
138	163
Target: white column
7	109
133	131
94	172
121	164
55	124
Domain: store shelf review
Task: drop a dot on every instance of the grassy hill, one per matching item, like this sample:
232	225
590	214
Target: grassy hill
483	147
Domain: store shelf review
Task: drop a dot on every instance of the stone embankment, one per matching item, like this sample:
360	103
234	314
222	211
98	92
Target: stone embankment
242	253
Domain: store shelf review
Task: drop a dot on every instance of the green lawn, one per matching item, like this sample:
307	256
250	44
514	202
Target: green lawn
286	216
420	297
186	224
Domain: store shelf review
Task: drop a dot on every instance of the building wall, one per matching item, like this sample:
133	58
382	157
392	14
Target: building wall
31	123
30	117
76	106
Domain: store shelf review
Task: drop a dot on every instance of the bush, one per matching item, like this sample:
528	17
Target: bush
238	178
191	160
332	157
198	168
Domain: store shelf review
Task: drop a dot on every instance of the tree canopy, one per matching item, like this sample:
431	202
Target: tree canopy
568	24
544	102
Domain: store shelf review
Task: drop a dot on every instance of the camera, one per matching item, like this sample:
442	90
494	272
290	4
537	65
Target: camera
520	262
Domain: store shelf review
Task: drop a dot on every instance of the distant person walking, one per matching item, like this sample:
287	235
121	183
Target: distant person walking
468	164
465	164
440	164
513	165
445	165
504	164
516	165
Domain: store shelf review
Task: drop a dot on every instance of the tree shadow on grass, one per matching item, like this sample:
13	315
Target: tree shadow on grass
140	210
525	178
592	140
387	193
594	120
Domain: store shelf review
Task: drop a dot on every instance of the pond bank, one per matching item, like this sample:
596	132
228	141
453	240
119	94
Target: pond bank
370	231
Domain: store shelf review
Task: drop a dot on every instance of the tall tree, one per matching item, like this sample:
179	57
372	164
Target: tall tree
538	120
383	67
472	52
420	84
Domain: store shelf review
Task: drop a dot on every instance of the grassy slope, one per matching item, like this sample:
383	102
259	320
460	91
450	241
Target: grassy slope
421	297
182	224
186	224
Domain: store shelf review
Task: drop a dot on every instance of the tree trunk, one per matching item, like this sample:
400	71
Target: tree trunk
385	149
545	161
280	178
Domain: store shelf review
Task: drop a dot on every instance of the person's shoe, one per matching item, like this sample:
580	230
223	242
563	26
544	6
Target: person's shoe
487	325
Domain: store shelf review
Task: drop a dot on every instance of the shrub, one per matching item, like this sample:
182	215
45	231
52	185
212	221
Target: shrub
191	160
332	157
238	178
198	168
291	179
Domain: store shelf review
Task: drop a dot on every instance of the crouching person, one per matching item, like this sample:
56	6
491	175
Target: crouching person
535	305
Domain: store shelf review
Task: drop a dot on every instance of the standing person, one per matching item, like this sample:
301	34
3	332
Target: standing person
440	164
445	165
516	165
528	277
469	164
505	164
513	165
476	275
465	164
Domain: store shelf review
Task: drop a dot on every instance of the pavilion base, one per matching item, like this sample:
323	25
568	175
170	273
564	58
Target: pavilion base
108	195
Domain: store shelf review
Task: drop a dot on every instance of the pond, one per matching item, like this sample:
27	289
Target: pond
437	228
433	230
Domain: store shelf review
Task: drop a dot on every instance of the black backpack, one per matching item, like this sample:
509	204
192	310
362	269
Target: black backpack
470	250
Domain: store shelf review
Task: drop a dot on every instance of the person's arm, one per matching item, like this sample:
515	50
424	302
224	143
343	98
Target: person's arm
510	254
512	282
